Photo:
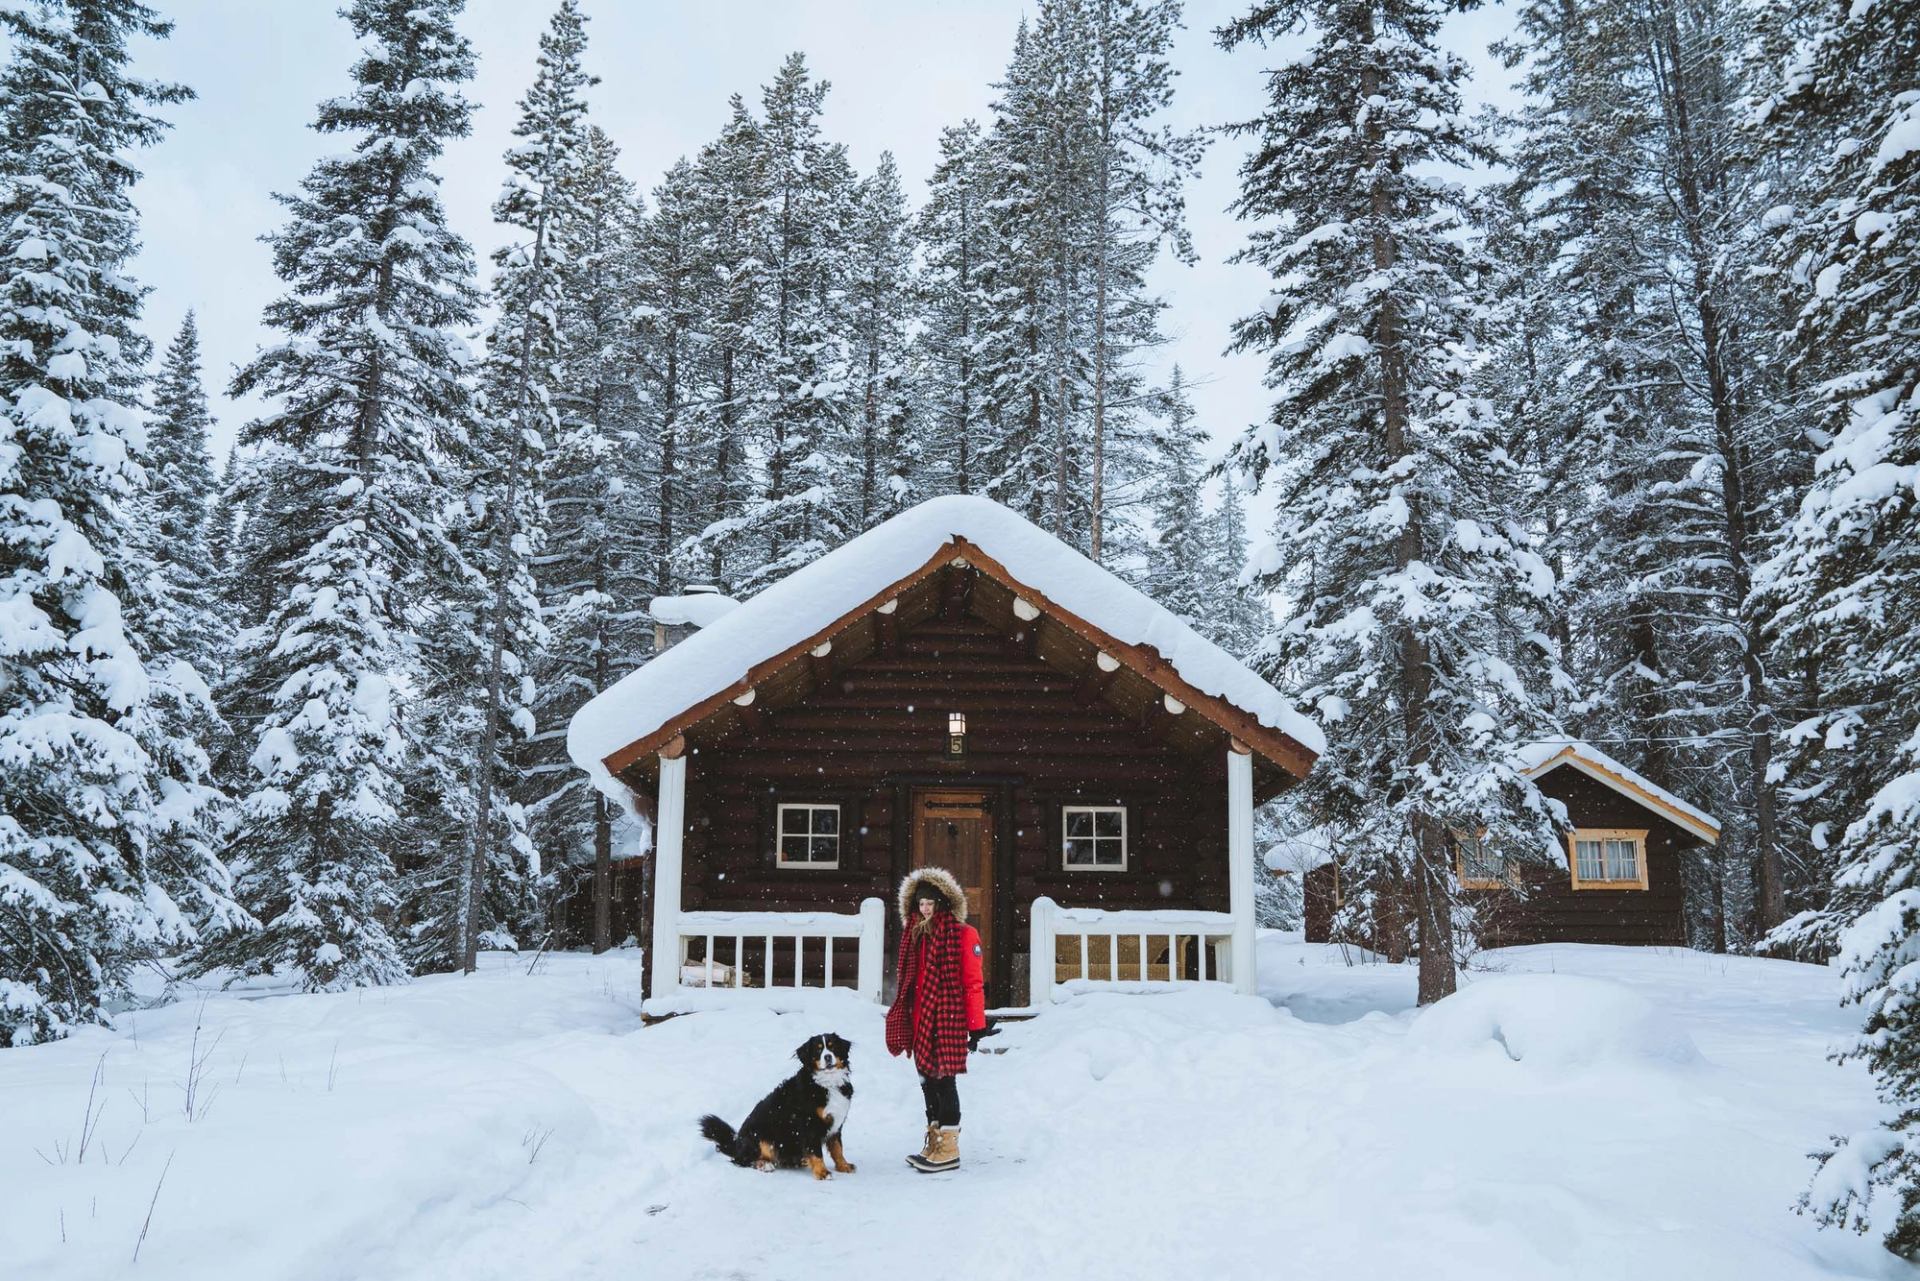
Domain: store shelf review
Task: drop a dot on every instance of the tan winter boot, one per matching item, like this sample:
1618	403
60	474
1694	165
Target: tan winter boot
926	1148
944	1154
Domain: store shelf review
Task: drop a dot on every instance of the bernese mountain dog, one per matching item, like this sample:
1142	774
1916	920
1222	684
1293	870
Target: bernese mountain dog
801	1119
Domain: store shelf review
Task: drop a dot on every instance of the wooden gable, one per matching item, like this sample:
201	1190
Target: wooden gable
962	580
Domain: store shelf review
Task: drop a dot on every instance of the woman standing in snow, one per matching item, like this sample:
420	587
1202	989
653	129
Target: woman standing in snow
939	1006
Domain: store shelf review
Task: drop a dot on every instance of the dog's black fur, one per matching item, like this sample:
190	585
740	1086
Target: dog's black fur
796	1124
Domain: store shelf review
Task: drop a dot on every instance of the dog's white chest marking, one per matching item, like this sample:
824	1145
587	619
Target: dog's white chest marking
839	1100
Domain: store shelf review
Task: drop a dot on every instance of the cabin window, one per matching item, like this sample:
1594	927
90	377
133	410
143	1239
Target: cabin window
809	835
1609	858
1480	865
1094	837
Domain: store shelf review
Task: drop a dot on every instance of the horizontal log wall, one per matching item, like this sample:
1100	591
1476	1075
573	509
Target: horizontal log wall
1033	743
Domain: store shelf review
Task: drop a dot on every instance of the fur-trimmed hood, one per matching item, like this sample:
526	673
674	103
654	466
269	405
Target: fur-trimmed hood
943	881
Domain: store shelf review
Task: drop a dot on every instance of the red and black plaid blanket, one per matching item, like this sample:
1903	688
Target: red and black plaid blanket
929	1014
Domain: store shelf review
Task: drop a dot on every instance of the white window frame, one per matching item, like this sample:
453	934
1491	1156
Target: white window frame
1638	835
781	833
1126	851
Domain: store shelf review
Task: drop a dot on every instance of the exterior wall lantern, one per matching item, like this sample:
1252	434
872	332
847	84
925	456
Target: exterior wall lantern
956	733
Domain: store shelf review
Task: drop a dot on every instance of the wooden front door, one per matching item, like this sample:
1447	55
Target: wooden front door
954	830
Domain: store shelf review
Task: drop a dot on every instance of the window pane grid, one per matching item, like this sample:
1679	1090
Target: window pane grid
808	835
1094	836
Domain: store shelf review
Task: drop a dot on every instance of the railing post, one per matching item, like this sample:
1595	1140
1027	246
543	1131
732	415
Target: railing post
1040	962
669	829
1240	864
873	943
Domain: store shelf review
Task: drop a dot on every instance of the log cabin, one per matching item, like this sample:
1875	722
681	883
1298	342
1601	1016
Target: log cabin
953	687
1615	879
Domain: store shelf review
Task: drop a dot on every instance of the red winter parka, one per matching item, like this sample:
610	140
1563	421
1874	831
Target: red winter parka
940	994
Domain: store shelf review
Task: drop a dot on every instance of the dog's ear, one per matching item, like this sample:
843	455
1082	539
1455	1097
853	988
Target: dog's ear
809	1051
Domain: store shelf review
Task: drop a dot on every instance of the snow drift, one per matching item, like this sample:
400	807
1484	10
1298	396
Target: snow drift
1556	1021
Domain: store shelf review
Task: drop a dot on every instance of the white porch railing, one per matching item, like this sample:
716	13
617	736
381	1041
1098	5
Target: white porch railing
1130	951
781	936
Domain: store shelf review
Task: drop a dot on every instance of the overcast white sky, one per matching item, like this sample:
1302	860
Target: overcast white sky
900	70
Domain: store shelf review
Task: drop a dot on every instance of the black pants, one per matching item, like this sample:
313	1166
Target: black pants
942	1094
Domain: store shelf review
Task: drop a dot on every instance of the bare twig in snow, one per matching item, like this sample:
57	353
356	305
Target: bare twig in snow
89	1117
156	1201
534	1140
333	1060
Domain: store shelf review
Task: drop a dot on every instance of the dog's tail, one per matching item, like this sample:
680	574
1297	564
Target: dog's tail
718	1132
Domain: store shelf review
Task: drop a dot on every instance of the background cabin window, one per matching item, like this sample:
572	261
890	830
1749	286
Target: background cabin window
1609	859
1480	865
1094	837
809	835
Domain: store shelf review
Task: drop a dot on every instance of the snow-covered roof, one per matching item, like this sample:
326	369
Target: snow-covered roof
702	609
1302	852
813	599
1550	754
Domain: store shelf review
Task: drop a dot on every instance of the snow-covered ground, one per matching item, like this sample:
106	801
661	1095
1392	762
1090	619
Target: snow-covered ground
1575	1112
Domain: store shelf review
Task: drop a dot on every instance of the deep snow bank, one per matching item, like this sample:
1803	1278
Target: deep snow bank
1554	1022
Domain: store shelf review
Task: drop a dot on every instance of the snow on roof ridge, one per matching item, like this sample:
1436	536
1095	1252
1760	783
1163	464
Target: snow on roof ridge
1534	755
700	608
813	597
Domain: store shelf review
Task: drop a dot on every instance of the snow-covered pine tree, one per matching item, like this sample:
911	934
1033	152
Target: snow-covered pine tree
1235	620
669	268
731	187
606	541
1847	580
881	288
1177	560
1413	591
499	864
347	524
801	417
1016	454
1136	202
103	794
951	231
182	489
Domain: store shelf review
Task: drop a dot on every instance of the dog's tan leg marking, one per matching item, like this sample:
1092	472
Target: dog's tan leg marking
821	1111
839	1155
767	1157
818	1166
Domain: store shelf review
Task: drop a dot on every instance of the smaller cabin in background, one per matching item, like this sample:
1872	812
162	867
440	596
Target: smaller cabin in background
1619	882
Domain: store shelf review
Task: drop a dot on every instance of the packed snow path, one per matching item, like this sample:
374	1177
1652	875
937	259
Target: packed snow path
1626	1113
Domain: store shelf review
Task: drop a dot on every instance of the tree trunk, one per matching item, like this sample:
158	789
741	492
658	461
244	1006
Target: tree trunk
1431	879
1694	179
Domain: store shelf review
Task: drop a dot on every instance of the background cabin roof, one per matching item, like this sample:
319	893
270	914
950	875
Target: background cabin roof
1539	759
720	662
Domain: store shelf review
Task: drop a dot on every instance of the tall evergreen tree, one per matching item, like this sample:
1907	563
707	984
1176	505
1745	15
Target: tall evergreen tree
1136	201
1414	590
539	202
732	191
103	794
1847	580
952	233
606	542
352	491
1178	562
799	421
881	286
181	482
